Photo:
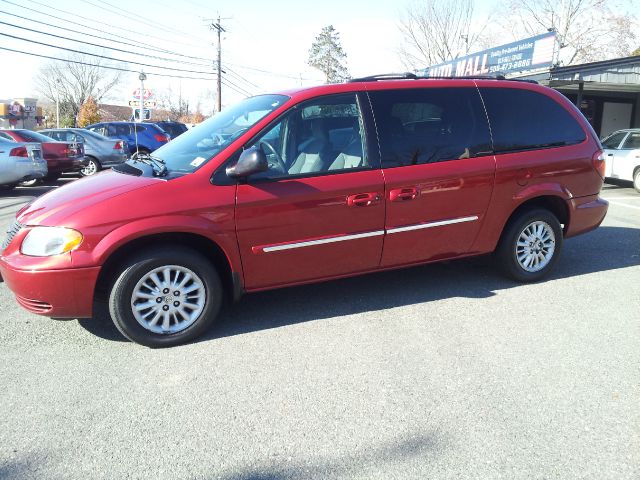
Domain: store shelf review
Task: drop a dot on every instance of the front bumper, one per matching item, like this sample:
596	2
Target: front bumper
64	293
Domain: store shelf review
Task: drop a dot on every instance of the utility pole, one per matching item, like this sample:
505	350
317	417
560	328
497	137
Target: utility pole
58	82
142	78
218	28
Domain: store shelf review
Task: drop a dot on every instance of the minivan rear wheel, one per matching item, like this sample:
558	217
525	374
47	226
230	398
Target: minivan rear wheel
530	245
163	297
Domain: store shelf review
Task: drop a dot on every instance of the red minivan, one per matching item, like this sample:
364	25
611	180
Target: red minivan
312	185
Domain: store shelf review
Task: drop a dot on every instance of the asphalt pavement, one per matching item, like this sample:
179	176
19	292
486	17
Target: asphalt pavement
447	371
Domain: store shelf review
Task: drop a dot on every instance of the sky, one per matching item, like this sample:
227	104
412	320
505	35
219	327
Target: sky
265	46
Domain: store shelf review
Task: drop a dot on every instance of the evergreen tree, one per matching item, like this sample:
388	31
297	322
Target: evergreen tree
88	113
326	55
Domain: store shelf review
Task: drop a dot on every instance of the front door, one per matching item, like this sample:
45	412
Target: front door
627	158
439	171
319	211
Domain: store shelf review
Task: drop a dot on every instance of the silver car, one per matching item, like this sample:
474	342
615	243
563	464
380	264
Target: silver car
100	152
19	162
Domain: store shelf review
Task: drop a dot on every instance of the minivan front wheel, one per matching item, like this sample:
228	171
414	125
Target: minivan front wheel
164	298
530	245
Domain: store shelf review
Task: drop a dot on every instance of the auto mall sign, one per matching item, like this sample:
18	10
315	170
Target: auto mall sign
528	54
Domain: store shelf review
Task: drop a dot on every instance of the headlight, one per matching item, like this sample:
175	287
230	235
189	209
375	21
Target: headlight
48	241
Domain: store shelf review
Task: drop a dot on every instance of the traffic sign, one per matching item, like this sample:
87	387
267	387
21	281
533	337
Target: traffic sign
147	104
146	93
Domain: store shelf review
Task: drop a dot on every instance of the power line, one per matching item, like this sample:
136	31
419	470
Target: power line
101	46
235	89
272	73
240	77
154	25
100	66
73	14
104	56
139	43
240	87
103	38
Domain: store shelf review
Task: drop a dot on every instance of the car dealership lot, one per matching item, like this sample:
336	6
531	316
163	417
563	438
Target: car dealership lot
441	371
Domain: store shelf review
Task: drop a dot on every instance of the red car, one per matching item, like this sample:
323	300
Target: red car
61	157
312	185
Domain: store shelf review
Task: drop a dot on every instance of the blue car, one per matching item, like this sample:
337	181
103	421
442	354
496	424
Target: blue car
143	137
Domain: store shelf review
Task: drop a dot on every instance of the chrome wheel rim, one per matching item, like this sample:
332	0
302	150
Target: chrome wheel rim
535	246
90	169
168	299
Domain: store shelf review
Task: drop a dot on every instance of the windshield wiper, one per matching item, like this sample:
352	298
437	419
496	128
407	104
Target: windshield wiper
159	165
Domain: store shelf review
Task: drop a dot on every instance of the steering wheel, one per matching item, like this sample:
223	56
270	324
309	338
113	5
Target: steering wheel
272	151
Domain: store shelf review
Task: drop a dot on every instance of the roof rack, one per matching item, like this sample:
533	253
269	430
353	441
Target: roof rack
386	76
413	76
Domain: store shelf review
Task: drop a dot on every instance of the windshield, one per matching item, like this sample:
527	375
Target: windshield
200	144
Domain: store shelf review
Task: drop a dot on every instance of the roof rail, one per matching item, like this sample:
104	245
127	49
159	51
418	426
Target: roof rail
482	77
413	76
386	76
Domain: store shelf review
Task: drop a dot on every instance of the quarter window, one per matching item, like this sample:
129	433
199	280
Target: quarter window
526	120
417	126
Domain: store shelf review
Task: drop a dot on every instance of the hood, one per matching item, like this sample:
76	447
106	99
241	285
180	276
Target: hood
59	206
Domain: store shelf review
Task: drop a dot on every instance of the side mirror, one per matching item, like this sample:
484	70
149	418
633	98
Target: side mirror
252	160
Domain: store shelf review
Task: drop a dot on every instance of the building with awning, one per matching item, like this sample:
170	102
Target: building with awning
607	92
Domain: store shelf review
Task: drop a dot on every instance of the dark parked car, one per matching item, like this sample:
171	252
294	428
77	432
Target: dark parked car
61	157
99	151
312	185
173	128
142	137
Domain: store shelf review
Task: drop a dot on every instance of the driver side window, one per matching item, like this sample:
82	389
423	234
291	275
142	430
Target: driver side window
321	136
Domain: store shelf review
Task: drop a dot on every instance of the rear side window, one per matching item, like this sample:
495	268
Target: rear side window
614	140
526	120
417	126
54	135
632	142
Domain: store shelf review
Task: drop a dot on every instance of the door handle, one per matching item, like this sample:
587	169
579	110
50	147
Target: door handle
403	194
363	199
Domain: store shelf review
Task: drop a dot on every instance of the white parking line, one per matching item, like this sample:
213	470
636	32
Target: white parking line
622	198
635	207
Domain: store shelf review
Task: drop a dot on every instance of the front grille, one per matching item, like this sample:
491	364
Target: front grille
12	231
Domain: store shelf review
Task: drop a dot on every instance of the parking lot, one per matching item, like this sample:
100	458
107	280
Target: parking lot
442	371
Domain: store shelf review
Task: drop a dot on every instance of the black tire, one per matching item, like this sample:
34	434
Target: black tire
506	251
636	180
141	265
93	166
52	177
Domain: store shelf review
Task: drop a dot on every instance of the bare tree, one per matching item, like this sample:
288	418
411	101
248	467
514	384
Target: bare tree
176	105
73	83
588	30
435	31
